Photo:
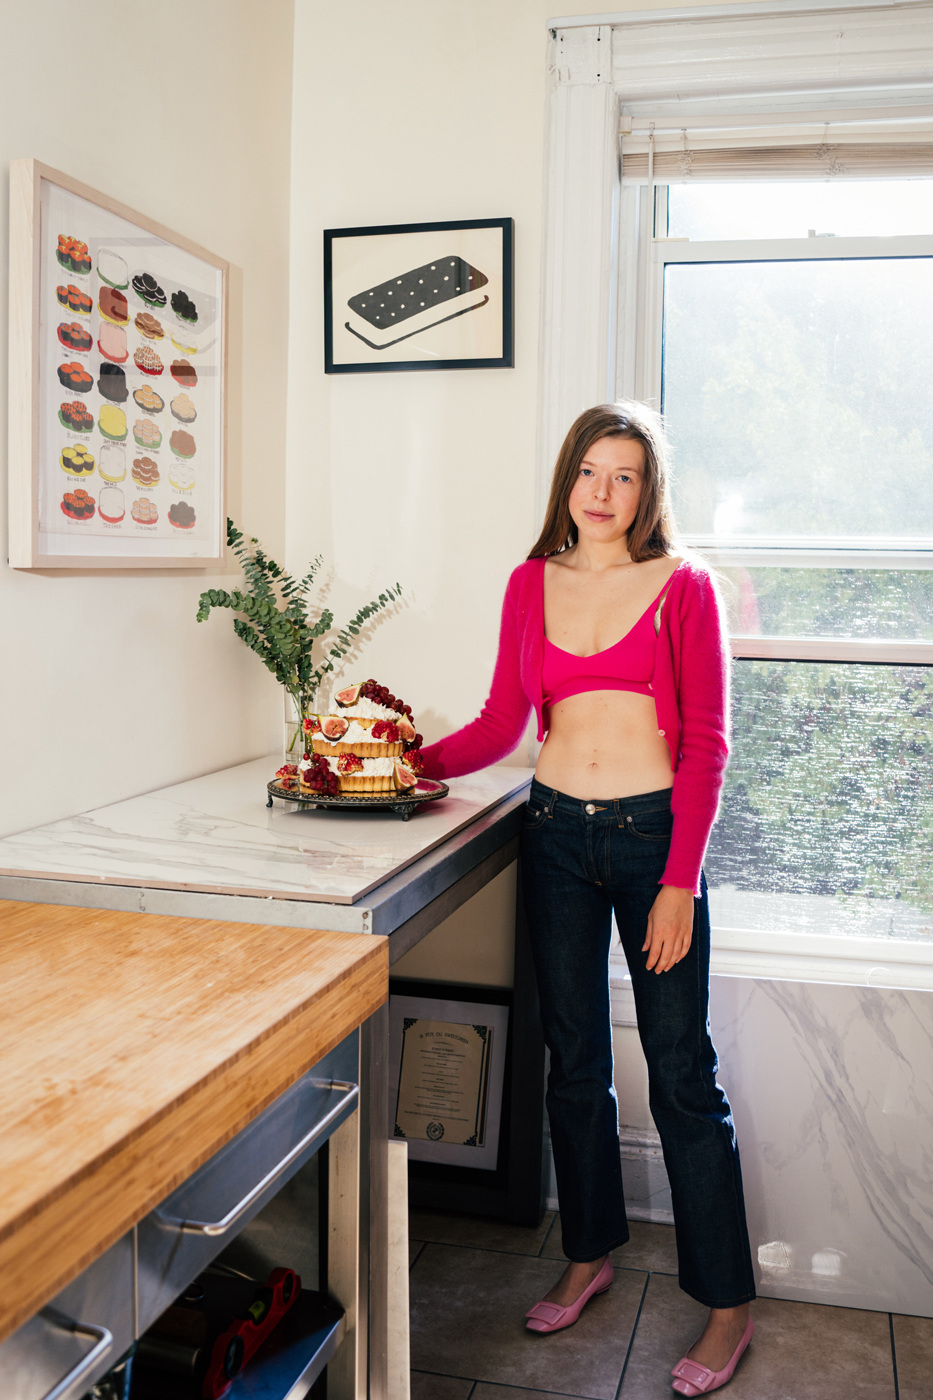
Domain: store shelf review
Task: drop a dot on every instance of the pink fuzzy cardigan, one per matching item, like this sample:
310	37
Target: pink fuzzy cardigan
691	691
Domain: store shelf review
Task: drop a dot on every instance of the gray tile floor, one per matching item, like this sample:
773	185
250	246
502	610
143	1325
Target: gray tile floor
472	1280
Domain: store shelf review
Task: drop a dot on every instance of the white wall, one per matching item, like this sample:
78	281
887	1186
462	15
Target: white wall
108	686
429	110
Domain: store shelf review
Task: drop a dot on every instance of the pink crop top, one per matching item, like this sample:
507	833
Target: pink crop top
627	665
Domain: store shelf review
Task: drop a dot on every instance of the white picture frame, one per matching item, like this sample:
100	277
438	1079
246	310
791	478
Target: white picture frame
118	355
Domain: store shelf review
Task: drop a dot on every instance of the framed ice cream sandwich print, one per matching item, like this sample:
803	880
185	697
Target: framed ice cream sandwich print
117	370
418	296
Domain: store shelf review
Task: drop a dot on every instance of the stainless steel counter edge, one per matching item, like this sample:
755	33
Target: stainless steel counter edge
381	911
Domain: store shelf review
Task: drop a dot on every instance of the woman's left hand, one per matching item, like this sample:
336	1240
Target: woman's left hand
670	928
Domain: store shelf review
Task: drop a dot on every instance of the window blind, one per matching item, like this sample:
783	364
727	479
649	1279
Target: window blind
773	155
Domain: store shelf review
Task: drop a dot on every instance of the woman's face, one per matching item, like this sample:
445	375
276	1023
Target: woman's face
604	498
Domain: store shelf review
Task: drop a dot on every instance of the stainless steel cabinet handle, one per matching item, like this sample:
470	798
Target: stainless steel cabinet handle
349	1092
104	1341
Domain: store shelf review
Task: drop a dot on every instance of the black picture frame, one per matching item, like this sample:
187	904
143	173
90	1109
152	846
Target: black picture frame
467	264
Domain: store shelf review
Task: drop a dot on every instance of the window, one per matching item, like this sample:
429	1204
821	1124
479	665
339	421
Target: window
788	336
760	264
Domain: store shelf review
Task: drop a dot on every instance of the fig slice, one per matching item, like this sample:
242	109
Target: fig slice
404	777
334	728
348	697
406	729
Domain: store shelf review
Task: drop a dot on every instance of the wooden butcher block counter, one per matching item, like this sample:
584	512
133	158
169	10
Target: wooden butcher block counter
132	1047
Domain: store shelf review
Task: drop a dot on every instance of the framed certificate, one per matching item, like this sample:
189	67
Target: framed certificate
447	1073
117	369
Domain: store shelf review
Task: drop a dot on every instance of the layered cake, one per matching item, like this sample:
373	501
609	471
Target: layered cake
180	474
368	745
74	336
147	398
145	471
183	307
183	408
73	255
184	374
181	515
112	422
112	306
149	326
112	268
112	464
146	433
145	512
75	377
78	505
148	290
76	300
182	443
112	383
77	462
112	343
147	360
110	505
75	417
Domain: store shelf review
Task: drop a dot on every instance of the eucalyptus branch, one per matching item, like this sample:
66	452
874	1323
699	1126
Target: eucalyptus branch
272	619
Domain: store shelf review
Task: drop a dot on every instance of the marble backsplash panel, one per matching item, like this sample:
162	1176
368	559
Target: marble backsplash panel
832	1090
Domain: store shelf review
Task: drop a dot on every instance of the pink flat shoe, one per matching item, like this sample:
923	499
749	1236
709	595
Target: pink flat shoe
693	1379
550	1317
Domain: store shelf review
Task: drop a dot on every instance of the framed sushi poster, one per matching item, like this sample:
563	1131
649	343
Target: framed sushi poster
117	370
418	296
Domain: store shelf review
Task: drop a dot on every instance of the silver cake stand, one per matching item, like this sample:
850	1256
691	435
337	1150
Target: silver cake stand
401	803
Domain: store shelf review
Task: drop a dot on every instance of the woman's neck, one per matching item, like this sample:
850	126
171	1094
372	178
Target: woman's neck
598	558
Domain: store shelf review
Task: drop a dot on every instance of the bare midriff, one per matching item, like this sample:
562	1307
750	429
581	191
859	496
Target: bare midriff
603	744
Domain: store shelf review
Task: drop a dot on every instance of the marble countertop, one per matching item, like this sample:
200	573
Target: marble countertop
216	835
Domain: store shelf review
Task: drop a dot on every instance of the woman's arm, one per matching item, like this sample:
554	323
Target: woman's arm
702	681
499	727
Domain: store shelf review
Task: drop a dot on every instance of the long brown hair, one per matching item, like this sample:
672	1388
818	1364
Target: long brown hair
651	534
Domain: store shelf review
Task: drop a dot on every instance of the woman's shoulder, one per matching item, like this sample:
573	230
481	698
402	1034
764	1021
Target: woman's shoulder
525	576
692	576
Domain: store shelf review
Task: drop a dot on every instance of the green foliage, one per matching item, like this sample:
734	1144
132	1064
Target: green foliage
830	787
274	622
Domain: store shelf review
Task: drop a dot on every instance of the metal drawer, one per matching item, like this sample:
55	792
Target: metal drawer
71	1343
192	1225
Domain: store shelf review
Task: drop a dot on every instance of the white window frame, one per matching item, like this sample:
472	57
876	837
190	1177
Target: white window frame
797	59
640	354
639	359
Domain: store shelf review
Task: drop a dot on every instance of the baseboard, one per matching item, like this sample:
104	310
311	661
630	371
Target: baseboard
644	1178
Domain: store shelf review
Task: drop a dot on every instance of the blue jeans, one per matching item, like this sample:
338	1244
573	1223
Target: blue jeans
577	867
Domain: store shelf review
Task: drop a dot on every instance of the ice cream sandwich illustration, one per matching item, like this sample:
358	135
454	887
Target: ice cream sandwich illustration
416	301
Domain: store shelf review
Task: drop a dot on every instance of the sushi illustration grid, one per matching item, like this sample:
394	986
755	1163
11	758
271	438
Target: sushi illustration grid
130	387
414	296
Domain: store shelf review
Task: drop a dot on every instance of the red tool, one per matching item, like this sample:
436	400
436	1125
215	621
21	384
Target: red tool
246	1334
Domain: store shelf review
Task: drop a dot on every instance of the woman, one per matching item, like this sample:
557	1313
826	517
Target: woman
617	643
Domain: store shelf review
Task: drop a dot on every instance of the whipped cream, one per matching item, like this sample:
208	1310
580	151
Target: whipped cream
368	709
356	734
374	767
